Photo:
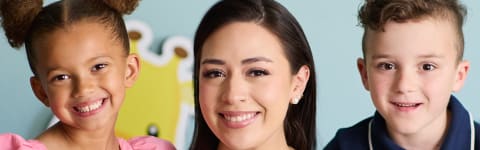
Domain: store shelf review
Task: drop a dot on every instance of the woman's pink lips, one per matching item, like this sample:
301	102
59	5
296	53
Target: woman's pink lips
238	119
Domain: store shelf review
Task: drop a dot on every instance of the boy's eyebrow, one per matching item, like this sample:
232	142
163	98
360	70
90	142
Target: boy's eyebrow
420	56
380	56
431	56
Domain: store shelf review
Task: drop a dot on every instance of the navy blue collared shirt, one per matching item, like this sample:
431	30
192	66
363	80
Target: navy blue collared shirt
356	137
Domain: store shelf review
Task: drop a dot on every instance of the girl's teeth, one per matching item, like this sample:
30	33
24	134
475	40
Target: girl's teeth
239	118
90	107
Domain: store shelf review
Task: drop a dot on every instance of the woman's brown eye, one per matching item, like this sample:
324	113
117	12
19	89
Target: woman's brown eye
214	74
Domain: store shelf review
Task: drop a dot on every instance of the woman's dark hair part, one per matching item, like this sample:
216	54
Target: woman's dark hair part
27	21
300	121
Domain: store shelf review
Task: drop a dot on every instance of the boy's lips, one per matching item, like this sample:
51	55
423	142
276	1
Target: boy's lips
406	106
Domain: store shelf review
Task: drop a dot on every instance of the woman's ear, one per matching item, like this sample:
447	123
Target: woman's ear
39	91
461	75
132	70
362	69
300	81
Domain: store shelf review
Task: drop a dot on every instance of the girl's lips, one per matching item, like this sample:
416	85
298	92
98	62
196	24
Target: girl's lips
237	119
89	108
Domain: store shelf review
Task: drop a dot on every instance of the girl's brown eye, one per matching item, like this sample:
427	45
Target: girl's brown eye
98	67
61	77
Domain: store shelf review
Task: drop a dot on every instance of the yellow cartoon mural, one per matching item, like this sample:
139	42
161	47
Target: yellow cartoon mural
161	101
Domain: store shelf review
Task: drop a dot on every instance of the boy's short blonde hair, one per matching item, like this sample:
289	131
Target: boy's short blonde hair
374	14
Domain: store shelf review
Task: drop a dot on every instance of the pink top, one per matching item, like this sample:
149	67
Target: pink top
11	141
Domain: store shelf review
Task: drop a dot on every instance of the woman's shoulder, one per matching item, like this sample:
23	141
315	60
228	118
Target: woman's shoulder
10	141
145	143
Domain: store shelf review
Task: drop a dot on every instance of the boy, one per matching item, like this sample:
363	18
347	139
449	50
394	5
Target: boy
413	60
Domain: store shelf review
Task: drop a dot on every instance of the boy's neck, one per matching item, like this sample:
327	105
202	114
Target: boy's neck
429	137
61	136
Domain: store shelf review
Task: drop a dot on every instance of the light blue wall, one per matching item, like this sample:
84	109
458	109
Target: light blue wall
330	26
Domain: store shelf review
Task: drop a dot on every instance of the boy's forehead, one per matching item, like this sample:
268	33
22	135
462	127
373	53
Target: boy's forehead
414	35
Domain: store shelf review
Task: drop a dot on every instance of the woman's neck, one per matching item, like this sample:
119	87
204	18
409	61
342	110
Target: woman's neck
428	137
61	136
276	141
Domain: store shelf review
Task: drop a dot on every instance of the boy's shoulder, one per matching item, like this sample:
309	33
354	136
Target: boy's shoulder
354	137
477	136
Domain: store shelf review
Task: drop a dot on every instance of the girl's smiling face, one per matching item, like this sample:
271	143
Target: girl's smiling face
82	74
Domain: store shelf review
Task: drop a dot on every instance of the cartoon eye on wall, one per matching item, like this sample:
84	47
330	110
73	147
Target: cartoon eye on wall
153	130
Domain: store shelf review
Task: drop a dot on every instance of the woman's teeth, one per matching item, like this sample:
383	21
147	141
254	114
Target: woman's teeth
239	118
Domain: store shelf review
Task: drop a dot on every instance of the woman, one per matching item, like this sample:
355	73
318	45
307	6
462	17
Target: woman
245	95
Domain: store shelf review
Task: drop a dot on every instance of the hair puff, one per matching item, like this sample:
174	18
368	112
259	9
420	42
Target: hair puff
17	17
122	6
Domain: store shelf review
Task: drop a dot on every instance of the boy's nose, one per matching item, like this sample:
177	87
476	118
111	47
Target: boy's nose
234	90
406	81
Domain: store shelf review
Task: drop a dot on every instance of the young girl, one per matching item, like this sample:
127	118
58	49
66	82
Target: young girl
78	51
254	79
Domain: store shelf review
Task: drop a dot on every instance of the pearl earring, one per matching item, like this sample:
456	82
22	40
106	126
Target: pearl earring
295	100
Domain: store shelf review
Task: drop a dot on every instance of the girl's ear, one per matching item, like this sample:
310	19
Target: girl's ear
132	70
39	91
300	81
362	69
461	75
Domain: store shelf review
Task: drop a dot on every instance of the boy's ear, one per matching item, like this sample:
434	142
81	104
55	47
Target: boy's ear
132	70
461	75
362	69
39	91
300	80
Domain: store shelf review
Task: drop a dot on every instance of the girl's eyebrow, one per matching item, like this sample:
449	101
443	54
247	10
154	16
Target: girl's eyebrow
50	69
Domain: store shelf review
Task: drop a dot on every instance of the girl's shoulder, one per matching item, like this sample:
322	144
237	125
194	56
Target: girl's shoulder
145	143
10	141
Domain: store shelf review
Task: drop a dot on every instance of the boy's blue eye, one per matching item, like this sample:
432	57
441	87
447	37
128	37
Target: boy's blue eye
213	74
428	67
386	66
258	73
98	67
61	77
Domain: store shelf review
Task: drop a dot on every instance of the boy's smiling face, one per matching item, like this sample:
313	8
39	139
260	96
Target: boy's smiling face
411	70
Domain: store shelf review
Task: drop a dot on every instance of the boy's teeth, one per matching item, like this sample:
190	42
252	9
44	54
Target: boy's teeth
239	118
405	105
90	107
